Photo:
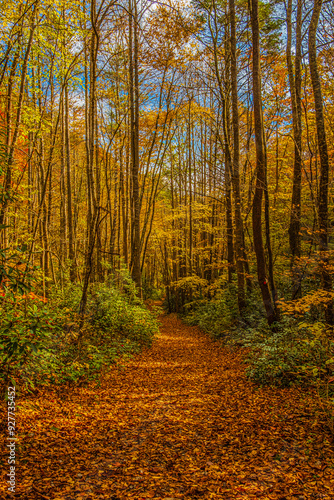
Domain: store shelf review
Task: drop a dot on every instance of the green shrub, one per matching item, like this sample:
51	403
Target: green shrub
27	328
220	317
116	316
292	353
41	342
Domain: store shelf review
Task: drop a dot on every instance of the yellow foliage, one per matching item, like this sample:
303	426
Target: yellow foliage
315	298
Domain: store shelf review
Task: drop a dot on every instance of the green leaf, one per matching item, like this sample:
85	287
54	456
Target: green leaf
34	348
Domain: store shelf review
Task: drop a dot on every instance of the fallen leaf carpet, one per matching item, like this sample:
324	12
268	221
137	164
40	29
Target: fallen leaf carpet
180	420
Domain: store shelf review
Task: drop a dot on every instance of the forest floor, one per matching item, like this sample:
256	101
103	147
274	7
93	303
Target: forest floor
179	421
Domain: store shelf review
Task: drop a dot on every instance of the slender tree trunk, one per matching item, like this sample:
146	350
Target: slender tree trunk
260	167
239	240
295	91
62	184
93	216
190	194
229	224
69	190
324	162
134	134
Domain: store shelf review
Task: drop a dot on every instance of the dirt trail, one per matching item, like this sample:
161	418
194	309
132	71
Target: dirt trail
179	421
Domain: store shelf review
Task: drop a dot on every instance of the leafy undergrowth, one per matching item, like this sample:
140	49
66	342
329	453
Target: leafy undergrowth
179	421
299	350
45	342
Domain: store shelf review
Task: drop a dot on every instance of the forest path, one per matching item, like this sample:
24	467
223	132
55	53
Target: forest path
179	421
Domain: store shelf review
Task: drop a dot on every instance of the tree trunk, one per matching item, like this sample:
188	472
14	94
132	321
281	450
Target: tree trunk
239	240
69	190
323	154
295	91
93	208
260	167
134	135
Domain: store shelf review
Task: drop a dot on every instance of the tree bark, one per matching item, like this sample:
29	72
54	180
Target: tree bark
239	240
324	162
134	135
260	167
295	91
69	190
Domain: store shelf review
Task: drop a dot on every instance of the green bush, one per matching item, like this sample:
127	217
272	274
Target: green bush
46	342
116	316
27	328
290	353
220	317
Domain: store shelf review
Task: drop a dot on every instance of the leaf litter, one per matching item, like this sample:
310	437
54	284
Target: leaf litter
179	421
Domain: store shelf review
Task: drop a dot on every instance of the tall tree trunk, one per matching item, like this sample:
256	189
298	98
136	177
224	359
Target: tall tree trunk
62	184
229	223
323	154
260	167
190	271
124	212
239	240
93	215
69	190
134	135
295	91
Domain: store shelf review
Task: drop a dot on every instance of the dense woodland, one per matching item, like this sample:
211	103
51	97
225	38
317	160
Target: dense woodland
166	249
168	150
